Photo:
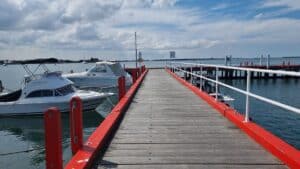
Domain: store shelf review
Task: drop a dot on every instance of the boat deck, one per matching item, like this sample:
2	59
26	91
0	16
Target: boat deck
168	126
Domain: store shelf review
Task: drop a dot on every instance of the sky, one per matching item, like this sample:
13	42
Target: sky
80	29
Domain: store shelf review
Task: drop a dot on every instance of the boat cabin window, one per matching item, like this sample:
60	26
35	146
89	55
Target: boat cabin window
117	69
40	93
99	69
64	90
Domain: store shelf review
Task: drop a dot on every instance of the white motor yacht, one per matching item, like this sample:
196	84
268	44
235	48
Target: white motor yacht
40	92
102	75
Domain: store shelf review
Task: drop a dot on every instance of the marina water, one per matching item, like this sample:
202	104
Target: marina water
22	138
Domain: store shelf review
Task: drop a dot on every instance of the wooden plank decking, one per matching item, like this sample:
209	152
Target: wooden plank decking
167	126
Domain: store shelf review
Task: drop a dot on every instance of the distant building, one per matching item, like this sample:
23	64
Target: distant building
172	54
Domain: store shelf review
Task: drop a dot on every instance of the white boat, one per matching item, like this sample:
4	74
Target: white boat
102	75
40	92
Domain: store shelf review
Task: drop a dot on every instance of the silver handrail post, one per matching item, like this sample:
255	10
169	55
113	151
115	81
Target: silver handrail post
247	97
185	73
217	83
191	80
200	78
173	68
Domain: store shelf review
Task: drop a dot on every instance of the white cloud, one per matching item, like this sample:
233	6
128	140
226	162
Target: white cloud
220	6
148	3
291	4
164	3
101	25
259	16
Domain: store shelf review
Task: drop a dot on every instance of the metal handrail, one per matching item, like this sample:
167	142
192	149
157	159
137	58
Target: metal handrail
282	72
177	66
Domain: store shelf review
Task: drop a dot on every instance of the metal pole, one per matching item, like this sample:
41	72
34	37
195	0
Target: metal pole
191	80
217	85
201	78
268	61
135	44
247	97
185	73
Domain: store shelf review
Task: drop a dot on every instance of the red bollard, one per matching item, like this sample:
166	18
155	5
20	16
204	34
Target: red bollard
122	87
76	130
53	139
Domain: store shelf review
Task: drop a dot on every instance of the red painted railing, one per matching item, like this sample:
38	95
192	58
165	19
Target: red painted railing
85	156
84	152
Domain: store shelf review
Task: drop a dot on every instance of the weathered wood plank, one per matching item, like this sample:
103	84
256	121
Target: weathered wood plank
191	166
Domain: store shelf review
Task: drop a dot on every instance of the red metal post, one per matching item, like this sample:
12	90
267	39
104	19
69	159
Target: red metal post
134	75
76	130
122	87
53	139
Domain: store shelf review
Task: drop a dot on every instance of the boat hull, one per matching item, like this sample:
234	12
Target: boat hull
38	108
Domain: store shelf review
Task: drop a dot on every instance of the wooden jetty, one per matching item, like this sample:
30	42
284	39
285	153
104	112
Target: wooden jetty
238	74
168	126
163	121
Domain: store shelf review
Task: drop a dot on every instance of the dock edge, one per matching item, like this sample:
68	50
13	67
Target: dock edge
84	158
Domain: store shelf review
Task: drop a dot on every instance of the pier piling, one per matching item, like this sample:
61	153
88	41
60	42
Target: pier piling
122	87
53	139
76	128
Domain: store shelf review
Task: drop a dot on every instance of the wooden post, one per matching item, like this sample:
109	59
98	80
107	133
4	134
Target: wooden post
76	126
122	87
53	139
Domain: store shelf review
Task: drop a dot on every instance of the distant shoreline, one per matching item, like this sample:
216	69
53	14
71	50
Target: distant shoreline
94	60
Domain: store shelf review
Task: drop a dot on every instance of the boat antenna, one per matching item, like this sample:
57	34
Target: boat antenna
45	68
28	71
32	73
135	44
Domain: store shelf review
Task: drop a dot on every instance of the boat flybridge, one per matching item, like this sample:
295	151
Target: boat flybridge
102	75
40	92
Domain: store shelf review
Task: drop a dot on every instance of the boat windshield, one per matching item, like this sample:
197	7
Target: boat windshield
99	69
117	69
65	90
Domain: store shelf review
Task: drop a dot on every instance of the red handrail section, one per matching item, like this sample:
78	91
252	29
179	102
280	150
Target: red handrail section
279	148
84	157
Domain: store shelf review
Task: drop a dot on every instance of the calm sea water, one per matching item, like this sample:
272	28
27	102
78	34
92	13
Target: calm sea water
22	138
